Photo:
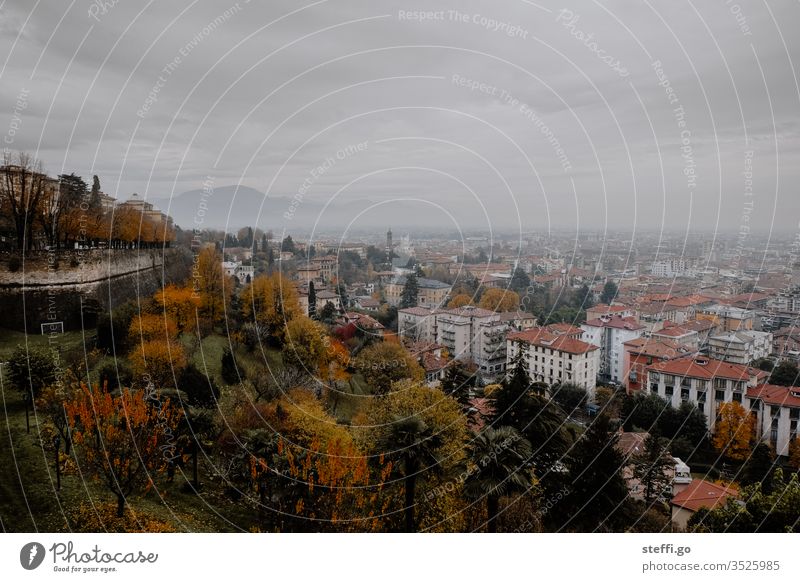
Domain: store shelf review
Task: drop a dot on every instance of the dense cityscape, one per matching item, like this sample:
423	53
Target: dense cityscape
389	381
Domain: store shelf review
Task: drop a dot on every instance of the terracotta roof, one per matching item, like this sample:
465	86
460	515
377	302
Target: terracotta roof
701	493
687	301
421	311
658	348
616	322
468	311
693	325
673	332
543	338
563	329
631	443
776	395
514	315
364	321
433	363
705	368
604	308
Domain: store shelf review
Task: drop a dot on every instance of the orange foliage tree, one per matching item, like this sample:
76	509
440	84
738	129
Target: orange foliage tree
733	432
150	326
124	441
305	470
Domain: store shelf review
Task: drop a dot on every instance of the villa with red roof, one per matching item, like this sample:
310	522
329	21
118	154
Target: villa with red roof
696	495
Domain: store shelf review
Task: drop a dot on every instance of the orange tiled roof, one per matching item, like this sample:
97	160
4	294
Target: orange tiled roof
701	493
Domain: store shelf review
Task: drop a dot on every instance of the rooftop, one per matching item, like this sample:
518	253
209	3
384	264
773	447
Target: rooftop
701	493
706	368
543	338
776	395
616	322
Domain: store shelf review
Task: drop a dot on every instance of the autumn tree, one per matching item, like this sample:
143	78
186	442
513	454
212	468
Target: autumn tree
437	416
460	300
305	472
733	432
211	286
23	188
794	454
151	326
124	441
384	363
306	345
500	300
271	301
159	359
181	305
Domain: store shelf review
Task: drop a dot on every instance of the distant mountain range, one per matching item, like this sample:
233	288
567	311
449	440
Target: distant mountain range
232	207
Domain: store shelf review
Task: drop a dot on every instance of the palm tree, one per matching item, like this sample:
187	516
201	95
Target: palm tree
500	458
414	448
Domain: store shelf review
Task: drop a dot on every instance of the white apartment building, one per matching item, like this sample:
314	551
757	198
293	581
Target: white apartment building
740	347
555	359
777	411
609	333
702	381
671	267
468	333
417	324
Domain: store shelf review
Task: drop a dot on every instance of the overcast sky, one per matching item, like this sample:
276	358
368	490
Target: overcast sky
504	112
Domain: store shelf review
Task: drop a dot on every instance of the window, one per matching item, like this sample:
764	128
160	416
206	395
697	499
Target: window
654	388
684	394
719	395
737	397
701	396
668	390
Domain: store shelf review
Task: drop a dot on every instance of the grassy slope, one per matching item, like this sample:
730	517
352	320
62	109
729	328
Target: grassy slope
27	465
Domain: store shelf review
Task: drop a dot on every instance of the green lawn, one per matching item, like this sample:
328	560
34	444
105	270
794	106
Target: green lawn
68	341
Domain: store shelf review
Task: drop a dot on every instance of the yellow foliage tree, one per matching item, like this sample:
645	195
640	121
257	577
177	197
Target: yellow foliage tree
160	360
500	300
386	362
306	346
459	300
272	302
181	304
733	432
212	287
